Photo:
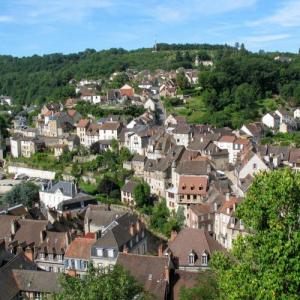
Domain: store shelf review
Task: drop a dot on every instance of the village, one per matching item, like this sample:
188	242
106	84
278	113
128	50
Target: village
90	169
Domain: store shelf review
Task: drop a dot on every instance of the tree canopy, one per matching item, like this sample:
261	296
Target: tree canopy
25	193
107	284
141	194
265	264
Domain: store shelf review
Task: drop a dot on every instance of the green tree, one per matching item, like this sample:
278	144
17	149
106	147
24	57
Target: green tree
141	194
206	288
265	263
181	80
119	80
245	96
26	193
115	284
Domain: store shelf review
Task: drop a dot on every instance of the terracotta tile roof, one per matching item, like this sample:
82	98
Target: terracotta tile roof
192	185
148	270
229	206
83	123
80	248
196	240
227	139
242	141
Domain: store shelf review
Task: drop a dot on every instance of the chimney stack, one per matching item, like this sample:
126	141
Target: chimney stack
160	250
29	253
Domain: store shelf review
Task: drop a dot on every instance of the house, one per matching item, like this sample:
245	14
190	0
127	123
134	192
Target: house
150	105
191	249
23	234
253	130
175	120
182	134
50	256
294	159
126	234
82	127
53	195
271	120
25	146
5	100
227	226
138	164
233	145
201	216
152	272
127	90
251	165
98	217
109	130
296	113
168	89
127	196
20	279
78	255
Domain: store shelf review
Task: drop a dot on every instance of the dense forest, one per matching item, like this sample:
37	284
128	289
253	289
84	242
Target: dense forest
239	87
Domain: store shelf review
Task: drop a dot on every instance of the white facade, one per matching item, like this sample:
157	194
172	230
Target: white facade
105	134
270	121
252	167
15	148
52	200
150	104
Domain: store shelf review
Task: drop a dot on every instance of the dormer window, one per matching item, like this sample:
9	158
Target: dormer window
184	187
99	252
204	259
192	187
191	258
200	188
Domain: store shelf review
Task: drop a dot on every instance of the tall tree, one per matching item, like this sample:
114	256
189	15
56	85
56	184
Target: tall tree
25	193
115	284
265	264
141	194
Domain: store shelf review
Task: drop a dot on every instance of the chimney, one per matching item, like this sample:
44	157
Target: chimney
173	235
131	230
167	273
29	253
42	235
13	227
160	250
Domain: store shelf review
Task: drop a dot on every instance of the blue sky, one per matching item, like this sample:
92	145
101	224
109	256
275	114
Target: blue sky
30	27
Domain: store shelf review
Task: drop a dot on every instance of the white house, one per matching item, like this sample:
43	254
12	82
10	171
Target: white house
297	113
109	131
150	104
55	194
271	120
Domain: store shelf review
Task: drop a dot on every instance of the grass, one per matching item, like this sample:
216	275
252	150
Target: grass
88	188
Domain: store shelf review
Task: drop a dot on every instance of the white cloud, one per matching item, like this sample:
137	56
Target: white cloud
6	19
287	15
36	11
180	10
265	38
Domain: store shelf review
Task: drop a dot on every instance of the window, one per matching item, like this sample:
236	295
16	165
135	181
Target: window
254	166
204	259
194	197
50	256
99	252
191	258
59	257
143	234
188	197
110	252
42	255
137	238
72	263
200	188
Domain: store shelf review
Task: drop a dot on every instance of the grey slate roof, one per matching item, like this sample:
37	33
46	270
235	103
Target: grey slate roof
66	187
192	167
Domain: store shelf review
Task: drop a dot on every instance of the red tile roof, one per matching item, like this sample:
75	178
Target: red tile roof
227	139
229	206
192	185
80	248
